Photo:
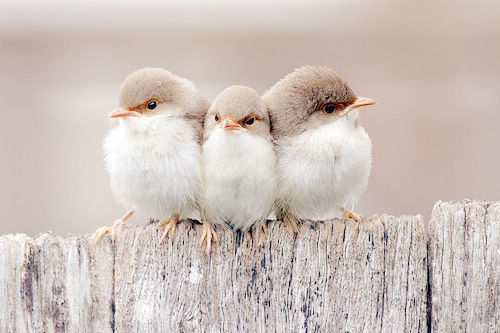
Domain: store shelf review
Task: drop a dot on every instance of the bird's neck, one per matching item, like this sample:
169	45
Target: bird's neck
143	126
352	116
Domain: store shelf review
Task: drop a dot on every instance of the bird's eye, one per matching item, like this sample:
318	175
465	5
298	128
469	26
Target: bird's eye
152	104
216	117
329	108
250	121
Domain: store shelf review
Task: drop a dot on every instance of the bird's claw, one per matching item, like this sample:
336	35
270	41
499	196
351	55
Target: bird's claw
351	215
99	233
170	227
291	223
259	233
208	235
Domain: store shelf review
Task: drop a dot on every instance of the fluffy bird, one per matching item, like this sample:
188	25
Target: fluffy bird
153	152
239	162
324	155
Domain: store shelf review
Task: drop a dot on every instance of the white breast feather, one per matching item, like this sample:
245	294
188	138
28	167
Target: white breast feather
239	178
154	165
323	169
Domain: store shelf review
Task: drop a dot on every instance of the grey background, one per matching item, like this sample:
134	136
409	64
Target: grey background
433	67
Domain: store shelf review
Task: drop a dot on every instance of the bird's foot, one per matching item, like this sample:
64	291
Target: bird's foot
208	235
351	215
99	233
259	233
170	227
291	223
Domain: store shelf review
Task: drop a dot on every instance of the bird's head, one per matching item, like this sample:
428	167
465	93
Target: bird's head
309	97
150	92
238	109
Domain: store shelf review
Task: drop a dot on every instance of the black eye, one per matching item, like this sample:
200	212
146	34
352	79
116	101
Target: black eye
329	108
216	117
152	105
250	121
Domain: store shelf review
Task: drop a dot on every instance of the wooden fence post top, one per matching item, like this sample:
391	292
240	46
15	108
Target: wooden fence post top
384	274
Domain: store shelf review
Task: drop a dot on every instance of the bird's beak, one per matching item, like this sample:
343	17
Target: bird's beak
229	124
123	113
362	101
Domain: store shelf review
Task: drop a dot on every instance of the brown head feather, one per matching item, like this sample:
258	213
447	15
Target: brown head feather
294	98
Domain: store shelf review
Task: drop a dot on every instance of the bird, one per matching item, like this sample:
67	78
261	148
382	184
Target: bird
324	155
239	162
153	150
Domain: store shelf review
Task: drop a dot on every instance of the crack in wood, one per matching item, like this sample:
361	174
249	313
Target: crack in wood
385	274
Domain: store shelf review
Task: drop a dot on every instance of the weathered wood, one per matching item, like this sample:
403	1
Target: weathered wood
334	276
464	266
337	275
55	284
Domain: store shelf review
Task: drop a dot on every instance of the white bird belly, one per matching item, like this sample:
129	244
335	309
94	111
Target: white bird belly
239	179
157	174
322	170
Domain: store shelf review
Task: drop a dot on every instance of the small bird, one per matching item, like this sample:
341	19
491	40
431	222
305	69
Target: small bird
153	152
323	154
239	162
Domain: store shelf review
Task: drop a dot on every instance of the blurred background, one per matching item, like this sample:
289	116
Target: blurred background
433	67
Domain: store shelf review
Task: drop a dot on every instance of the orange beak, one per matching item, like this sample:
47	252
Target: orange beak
362	101
230	124
123	113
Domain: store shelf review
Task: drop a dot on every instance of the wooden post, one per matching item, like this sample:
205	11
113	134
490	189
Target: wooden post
464	266
382	275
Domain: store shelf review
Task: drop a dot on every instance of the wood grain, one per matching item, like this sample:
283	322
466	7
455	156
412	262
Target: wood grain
464	266
381	275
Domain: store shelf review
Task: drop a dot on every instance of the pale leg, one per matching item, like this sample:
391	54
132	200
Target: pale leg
259	233
351	215
208	234
170	226
291	223
99	233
